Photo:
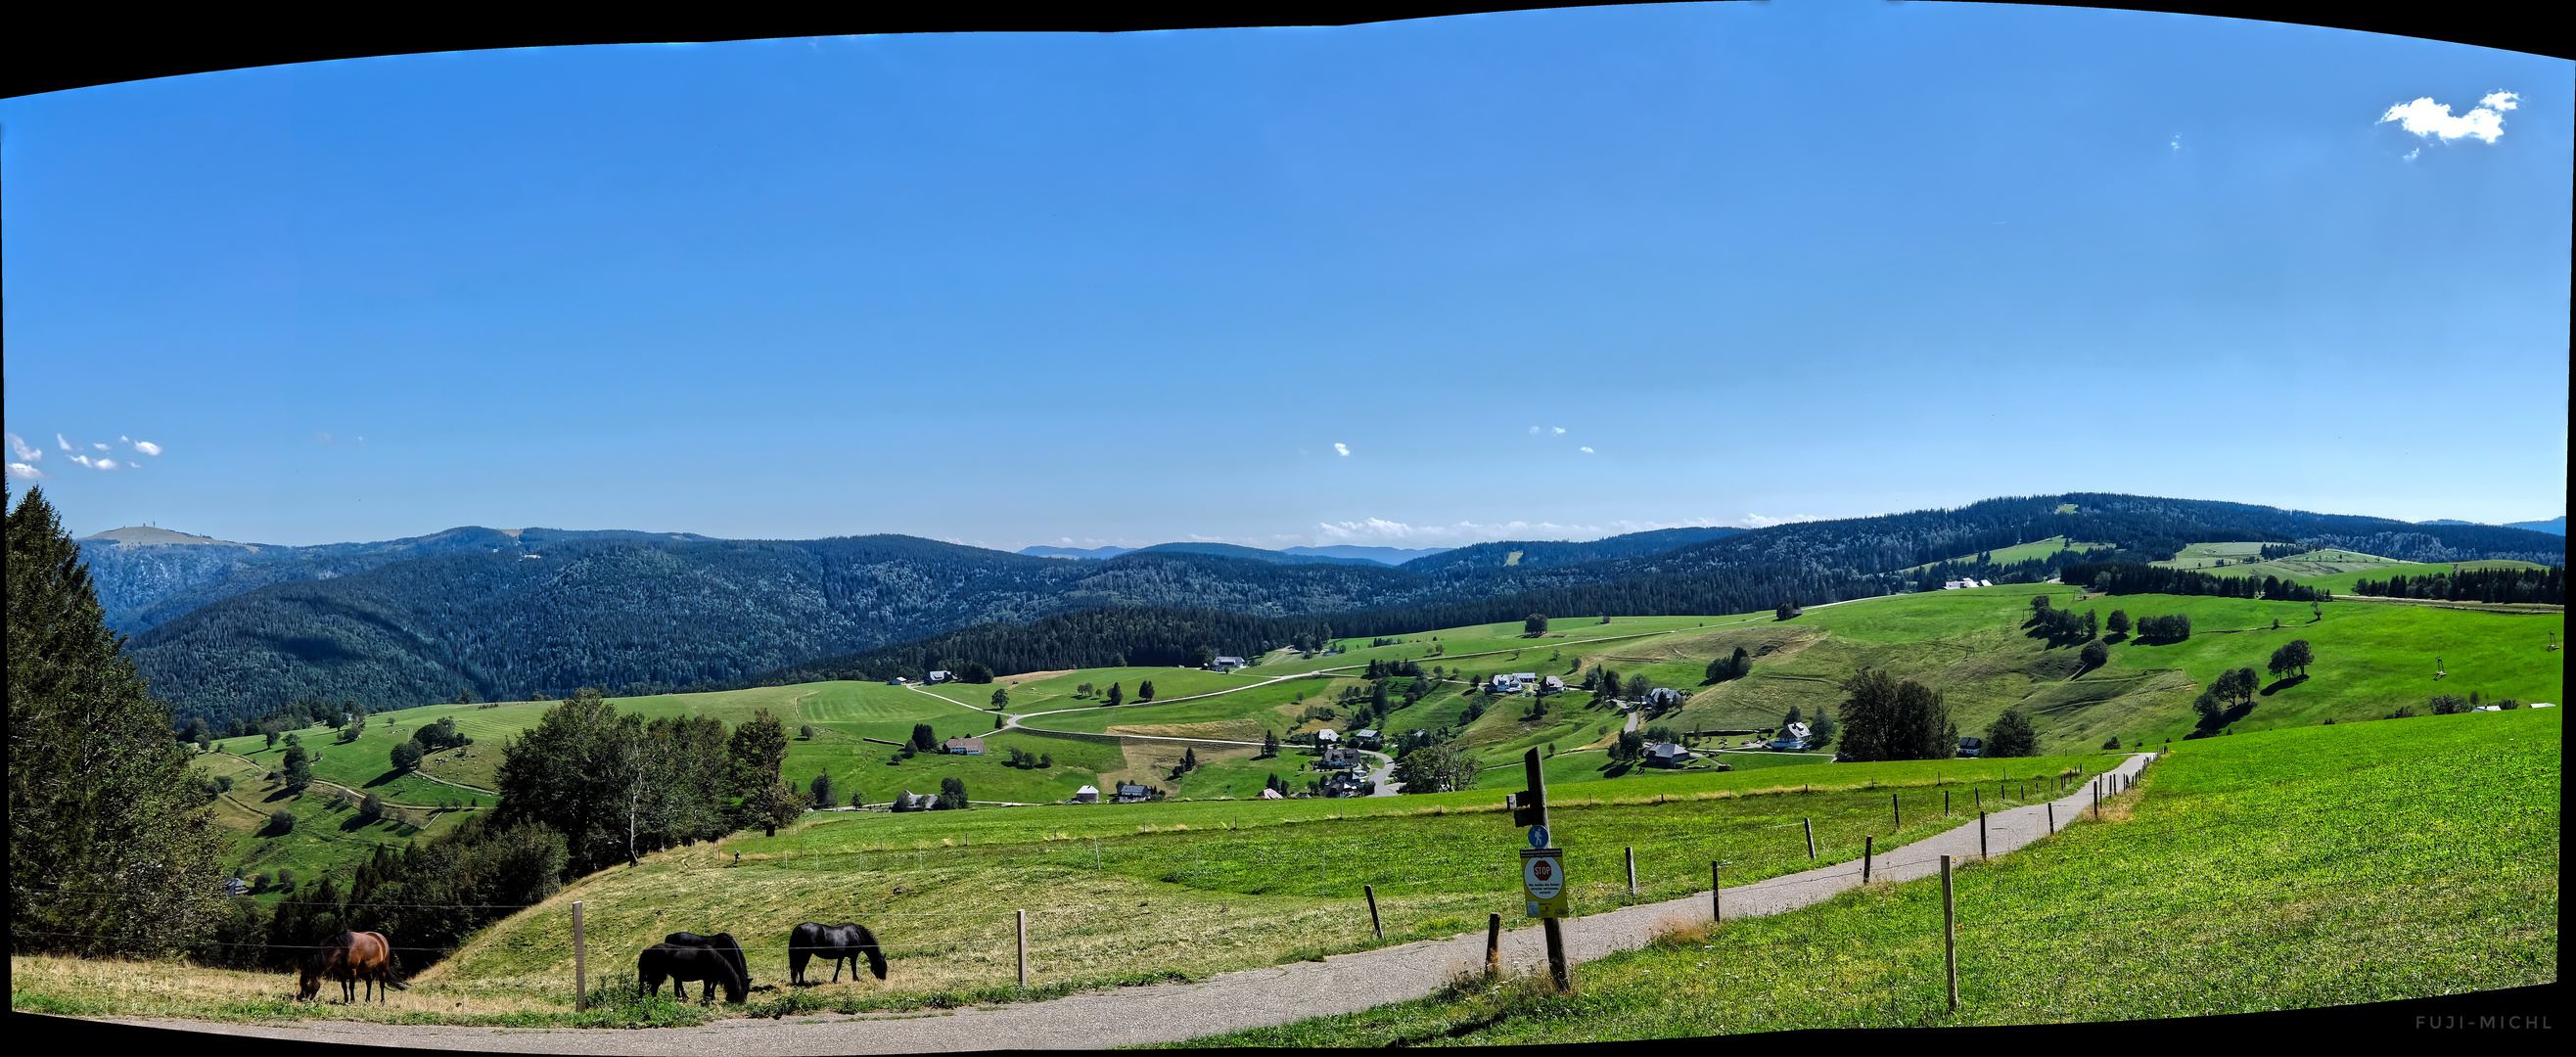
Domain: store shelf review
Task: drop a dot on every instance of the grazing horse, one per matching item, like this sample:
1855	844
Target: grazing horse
683	963
350	957
721	943
843	942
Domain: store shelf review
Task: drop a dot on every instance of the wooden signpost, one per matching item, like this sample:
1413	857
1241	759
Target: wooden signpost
1542	866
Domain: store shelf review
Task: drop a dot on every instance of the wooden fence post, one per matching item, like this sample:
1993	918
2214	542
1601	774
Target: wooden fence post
1950	931
1374	925
1981	835
1895	810
1945	803
1493	944
1868	848
1716	896
1024	948
1632	871
2052	817
1810	823
580	963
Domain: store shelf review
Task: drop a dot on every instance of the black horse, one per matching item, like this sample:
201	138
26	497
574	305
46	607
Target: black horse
721	943
843	942
683	963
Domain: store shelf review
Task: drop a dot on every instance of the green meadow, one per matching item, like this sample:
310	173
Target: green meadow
2288	869
1186	889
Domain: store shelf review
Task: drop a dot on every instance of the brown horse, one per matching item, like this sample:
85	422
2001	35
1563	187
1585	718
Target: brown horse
350	957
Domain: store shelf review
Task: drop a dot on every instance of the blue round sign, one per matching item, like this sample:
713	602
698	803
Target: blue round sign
1538	836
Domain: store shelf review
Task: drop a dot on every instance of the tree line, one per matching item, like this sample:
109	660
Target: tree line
2122	578
2475	585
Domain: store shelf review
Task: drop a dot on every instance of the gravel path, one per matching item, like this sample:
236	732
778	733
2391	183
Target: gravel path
1233	1001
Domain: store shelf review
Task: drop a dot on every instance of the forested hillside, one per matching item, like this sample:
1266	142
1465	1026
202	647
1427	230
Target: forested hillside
145	580
636	614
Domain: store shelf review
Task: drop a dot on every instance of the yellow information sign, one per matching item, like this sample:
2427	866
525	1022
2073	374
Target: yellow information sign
1543	882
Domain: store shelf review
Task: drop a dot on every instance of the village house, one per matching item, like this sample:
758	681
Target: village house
1956	585
1663	696
939	677
1792	737
1343	783
1504	683
909	801
1667	754
1366	739
1226	664
1132	793
1340	756
1971	746
1551	685
1327	738
1268	793
1088	794
963	746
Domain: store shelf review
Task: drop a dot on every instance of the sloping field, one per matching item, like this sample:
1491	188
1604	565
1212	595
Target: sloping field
2284	870
1196	888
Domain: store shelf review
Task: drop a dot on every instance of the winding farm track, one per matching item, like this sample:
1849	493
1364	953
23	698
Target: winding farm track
1233	1001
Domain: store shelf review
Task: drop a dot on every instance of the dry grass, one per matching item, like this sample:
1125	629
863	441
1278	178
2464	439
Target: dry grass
96	987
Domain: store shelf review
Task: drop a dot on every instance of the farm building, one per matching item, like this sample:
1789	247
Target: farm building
1666	754
1131	793
1793	737
897	681
909	801
1089	794
1226	664
1268	793
1957	585
1327	737
1343	783
1505	683
963	746
1342	756
1971	746
1366	739
1551	685
939	677
1663	695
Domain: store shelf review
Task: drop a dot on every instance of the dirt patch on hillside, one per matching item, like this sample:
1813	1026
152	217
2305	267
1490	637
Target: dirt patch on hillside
1030	677
1151	762
1222	729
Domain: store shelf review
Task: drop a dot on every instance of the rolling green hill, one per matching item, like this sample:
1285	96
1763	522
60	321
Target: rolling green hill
2292	869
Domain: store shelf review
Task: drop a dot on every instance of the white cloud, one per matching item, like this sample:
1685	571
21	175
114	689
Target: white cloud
26	452
1533	431
101	447
147	447
23	471
2414	154
67	445
326	438
1560	430
2424	117
1345	449
95	464
1587	451
1761	521
2177	141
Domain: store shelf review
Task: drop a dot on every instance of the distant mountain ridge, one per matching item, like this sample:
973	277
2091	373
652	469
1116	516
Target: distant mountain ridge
146	576
1285	555
412	621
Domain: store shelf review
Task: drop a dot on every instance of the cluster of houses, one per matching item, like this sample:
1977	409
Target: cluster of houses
1515	682
1128	793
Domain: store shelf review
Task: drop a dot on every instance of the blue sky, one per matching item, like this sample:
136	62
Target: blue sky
1550	274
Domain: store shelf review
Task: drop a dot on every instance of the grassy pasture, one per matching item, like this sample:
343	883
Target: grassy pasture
328	837
2031	551
2372	659
2282	870
1207	886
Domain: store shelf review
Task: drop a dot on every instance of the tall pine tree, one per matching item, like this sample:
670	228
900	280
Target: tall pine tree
113	849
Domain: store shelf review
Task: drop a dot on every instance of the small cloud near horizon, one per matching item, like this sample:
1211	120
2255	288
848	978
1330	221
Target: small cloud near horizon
1345	449
1384	531
1587	451
2424	117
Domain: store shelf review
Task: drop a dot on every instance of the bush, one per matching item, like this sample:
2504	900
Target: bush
406	756
2010	735
283	821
